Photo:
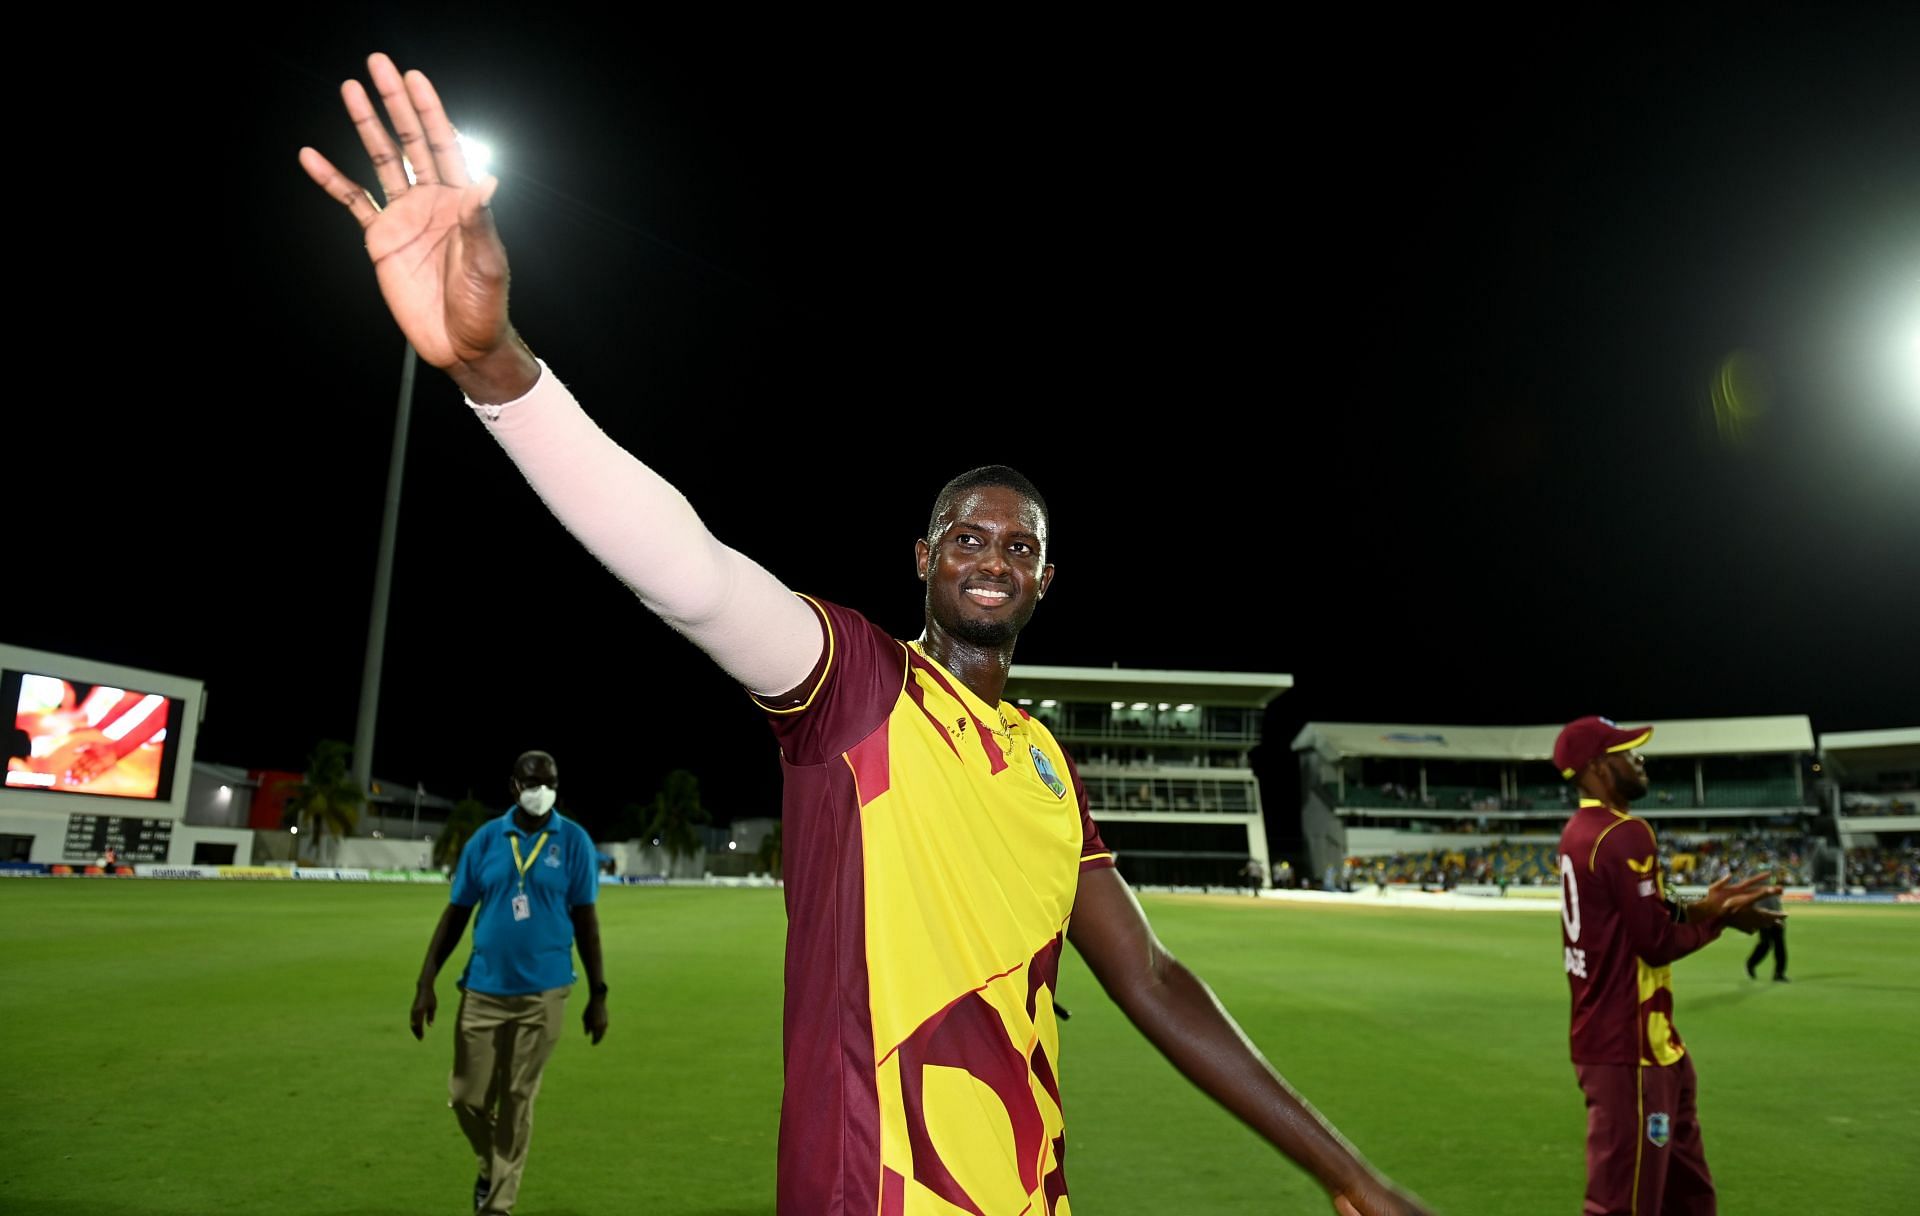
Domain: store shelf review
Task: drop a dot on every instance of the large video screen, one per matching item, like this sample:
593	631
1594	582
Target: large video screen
72	737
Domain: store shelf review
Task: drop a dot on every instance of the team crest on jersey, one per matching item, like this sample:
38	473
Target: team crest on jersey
553	857
1045	768
1659	1130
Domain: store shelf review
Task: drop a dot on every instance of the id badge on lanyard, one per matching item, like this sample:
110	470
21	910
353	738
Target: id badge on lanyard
522	908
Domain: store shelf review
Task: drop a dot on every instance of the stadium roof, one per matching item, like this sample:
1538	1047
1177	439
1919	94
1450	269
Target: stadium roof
1684	737
1868	750
1243	688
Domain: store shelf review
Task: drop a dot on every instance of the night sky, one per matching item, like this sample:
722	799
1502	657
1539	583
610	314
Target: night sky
1376	354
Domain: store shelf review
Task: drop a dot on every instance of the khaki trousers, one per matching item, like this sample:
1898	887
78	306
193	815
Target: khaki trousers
500	1047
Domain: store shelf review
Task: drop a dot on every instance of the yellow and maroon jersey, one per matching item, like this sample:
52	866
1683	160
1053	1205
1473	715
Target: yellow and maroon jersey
1620	939
932	847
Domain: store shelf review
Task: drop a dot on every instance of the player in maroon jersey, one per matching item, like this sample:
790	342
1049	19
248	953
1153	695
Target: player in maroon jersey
1621	935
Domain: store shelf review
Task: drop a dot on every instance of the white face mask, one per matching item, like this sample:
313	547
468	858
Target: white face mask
537	800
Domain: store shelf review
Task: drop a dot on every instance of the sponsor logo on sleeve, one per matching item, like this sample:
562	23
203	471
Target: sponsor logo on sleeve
1647	885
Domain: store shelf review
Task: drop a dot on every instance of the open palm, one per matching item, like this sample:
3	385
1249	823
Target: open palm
1728	898
439	261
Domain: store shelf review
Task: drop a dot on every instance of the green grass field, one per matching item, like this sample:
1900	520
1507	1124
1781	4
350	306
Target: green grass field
184	1047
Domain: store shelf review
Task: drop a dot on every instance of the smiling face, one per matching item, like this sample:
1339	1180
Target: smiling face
984	563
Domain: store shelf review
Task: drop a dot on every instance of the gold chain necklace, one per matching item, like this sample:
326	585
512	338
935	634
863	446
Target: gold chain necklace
1006	728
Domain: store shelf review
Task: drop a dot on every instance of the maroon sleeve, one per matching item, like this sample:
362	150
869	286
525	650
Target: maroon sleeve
1628	863
1094	853
850	692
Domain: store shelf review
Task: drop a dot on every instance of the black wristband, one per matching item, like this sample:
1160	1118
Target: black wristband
596	990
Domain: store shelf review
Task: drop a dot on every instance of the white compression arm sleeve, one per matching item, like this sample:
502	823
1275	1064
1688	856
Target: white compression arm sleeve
646	532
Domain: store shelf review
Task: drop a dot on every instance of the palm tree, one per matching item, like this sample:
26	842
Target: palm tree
631	824
675	813
467	816
328	800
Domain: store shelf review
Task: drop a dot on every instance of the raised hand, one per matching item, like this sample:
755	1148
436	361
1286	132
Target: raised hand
436	254
90	763
77	758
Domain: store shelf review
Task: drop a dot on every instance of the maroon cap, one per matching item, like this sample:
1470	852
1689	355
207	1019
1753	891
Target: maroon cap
1585	740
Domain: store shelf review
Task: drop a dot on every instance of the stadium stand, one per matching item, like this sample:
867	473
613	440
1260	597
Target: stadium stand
1702	859
1893	868
1516	863
1164	756
1871	785
1446	805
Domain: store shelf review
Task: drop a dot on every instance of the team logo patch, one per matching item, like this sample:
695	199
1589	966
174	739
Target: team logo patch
1659	1130
1044	767
553	858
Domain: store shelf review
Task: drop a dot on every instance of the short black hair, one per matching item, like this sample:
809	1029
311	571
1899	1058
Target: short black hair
528	757
986	475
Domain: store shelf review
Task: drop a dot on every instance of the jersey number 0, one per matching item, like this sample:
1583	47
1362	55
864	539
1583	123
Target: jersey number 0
1569	899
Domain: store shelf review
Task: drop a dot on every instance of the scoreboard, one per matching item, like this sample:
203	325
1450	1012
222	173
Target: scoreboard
132	839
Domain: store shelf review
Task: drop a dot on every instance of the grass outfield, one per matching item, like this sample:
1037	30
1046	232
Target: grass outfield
182	1047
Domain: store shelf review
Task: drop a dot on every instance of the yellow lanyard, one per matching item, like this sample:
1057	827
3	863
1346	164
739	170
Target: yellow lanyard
524	866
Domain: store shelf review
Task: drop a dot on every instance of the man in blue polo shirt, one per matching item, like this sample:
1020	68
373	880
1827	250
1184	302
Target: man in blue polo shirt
531	873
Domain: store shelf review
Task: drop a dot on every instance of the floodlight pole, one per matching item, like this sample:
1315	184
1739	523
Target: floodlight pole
383	584
476	156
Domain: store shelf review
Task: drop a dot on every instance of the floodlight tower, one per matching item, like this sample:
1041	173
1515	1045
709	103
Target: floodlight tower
478	155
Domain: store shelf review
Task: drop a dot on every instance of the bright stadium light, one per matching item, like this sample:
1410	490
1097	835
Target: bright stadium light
478	156
1913	365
